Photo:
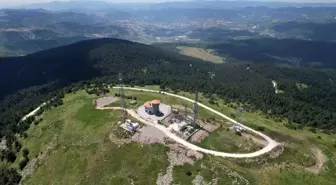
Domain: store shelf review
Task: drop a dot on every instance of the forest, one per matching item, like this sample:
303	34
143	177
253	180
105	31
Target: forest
314	31
317	54
46	72
26	82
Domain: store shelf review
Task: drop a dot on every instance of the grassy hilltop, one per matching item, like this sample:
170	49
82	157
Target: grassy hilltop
74	140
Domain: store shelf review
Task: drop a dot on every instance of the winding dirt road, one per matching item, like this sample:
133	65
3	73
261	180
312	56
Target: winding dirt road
270	146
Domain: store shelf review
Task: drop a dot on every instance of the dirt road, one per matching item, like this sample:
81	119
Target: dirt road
270	146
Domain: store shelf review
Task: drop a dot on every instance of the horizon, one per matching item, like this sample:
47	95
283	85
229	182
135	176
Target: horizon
26	2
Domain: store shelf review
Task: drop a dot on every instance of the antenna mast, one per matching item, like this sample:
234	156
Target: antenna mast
239	113
196	107
122	98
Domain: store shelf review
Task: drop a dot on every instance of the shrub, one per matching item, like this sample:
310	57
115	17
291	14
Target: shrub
25	152
23	163
261	128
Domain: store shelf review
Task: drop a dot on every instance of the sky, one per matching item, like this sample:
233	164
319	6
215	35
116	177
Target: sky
17	2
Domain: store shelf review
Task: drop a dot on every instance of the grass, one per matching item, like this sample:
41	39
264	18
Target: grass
204	54
83	153
289	167
228	141
209	168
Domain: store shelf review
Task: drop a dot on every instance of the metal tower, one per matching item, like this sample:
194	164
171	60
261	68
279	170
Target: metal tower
122	99
239	113
196	108
185	111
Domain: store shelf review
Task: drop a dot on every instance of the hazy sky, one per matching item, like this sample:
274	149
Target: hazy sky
11	2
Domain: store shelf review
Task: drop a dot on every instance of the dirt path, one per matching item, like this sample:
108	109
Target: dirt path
33	113
271	144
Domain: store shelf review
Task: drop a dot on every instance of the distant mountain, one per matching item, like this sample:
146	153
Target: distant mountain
27	31
212	4
80	6
150	23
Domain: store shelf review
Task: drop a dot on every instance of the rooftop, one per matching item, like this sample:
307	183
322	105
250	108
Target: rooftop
150	103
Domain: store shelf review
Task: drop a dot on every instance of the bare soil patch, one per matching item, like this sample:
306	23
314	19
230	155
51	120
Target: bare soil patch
102	102
204	54
149	135
177	155
203	133
257	140
320	160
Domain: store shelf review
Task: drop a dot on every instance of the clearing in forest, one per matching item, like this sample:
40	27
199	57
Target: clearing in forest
204	54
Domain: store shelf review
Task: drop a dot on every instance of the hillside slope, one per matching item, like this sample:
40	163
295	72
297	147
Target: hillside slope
85	60
307	94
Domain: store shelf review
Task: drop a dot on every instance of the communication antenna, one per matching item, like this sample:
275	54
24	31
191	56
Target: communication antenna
122	98
196	107
239	113
185	110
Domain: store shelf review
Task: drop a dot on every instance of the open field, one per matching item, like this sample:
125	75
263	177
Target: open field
81	151
204	54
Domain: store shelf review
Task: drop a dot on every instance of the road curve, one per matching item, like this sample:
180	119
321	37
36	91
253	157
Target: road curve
270	146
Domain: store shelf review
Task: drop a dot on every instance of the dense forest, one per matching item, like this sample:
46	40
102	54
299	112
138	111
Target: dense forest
314	31
26	82
293	52
48	71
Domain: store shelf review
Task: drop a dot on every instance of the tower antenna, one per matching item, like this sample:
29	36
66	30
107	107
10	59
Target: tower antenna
236	126
195	110
122	98
239	113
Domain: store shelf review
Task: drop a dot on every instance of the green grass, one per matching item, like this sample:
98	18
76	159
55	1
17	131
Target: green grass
297	151
228	141
210	168
83	153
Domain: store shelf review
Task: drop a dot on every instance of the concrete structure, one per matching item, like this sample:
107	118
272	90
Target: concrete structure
156	107
133	102
153	107
271	144
146	111
176	127
129	126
